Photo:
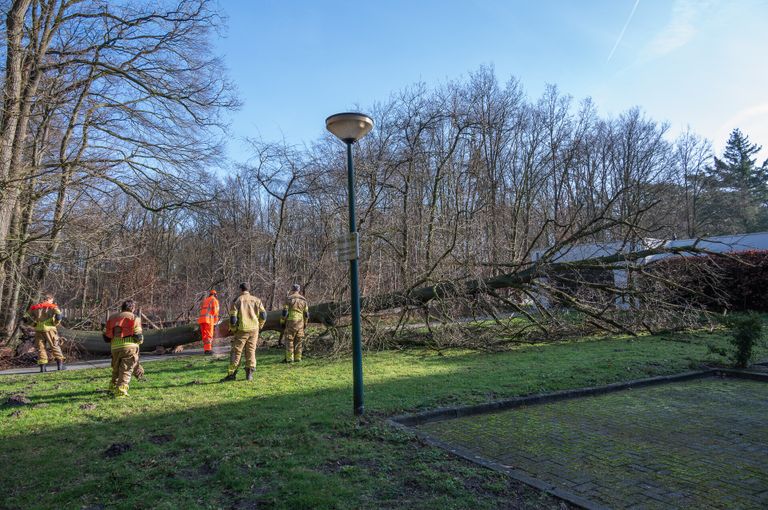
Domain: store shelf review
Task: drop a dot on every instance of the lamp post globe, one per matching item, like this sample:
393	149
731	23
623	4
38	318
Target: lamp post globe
350	127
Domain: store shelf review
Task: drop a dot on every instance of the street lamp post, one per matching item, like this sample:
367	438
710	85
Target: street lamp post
349	128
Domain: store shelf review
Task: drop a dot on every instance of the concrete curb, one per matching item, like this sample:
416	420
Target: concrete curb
447	413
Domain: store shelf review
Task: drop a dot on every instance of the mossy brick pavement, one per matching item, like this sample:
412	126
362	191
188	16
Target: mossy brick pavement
694	444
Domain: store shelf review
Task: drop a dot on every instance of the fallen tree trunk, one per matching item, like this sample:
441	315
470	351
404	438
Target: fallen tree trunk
327	313
527	273
92	341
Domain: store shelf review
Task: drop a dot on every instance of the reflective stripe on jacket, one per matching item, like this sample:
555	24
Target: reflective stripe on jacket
119	343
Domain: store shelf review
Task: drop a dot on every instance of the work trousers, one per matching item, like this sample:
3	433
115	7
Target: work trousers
293	337
206	332
49	339
124	361
249	340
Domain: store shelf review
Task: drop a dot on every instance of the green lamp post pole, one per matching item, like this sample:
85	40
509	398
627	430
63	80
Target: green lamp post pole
349	128
354	286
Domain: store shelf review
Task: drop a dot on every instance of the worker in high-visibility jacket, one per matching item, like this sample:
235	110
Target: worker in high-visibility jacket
294	321
124	332
209	316
246	317
46	316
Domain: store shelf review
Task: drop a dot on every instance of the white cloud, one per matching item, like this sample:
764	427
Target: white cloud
682	27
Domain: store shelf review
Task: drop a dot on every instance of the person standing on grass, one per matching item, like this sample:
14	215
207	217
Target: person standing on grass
246	317
124	332
209	316
46	316
294	321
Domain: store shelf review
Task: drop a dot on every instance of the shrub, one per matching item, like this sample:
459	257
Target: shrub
747	331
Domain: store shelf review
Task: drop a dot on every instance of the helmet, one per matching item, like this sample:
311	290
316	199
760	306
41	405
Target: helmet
296	287
213	292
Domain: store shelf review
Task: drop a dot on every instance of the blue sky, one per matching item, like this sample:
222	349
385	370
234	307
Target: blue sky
689	62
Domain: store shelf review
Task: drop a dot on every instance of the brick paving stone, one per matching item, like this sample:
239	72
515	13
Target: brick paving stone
693	444
585	487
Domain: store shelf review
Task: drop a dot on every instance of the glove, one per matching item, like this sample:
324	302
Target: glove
139	338
106	338
57	317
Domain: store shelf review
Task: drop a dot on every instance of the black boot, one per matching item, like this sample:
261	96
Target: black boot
60	365
230	377
43	368
249	374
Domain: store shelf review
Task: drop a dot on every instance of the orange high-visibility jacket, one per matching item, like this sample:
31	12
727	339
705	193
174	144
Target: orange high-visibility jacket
209	311
126	322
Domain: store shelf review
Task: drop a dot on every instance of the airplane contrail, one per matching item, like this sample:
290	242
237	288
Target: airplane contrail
621	35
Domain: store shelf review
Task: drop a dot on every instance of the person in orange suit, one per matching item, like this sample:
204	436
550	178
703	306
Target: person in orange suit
209	316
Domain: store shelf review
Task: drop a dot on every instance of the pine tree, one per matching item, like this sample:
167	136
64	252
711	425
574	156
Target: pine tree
738	188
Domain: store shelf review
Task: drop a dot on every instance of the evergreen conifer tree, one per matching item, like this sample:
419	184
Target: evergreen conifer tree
738	188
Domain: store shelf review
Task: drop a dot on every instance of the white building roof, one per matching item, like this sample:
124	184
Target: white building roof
717	244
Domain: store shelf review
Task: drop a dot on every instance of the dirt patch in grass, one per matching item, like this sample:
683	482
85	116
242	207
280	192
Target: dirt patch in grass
205	470
256	502
117	449
208	468
90	406
17	400
161	438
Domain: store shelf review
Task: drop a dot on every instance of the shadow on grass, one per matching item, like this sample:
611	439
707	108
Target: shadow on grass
297	450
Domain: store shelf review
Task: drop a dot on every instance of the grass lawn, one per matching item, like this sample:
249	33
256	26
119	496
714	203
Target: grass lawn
289	440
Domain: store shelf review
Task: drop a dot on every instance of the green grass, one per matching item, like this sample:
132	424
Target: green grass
289	440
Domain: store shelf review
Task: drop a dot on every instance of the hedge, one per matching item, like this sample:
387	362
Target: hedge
733	281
